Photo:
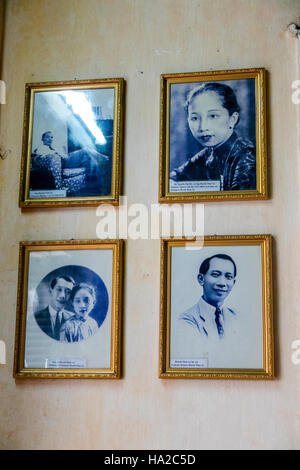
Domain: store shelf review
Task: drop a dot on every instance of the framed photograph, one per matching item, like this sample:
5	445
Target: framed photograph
213	136
69	310
72	143
216	308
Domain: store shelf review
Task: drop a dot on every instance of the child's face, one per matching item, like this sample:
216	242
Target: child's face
83	303
209	121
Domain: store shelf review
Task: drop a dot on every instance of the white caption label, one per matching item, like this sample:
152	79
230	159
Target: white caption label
67	364
201	363
37	194
194	186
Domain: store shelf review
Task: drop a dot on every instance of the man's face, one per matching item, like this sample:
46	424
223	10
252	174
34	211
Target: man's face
47	139
60	294
218	281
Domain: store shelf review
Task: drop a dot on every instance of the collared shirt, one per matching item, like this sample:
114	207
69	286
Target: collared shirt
74	330
53	314
202	317
42	150
63	315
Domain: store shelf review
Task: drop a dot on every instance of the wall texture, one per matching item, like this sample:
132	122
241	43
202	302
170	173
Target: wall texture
139	40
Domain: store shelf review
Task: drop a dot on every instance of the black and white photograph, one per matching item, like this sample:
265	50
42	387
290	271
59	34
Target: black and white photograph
74	302
212	136
68	318
218	309
71	142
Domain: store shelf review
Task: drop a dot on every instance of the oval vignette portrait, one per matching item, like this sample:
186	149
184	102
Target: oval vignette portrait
71	303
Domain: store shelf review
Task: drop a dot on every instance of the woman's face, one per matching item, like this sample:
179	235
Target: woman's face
209	121
83	303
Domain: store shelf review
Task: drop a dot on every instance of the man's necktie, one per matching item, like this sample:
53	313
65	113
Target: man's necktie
57	325
218	322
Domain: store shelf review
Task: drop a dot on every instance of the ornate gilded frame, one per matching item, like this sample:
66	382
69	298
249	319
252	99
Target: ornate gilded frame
267	371
261	191
118	85
115	302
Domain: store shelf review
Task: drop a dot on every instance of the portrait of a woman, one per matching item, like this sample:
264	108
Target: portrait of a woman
80	324
225	157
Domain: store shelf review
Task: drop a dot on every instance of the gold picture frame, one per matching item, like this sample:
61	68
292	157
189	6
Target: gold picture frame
194	344
82	281
213	144
72	143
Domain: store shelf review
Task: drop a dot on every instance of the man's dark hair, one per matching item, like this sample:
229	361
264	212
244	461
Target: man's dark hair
204	267
47	132
66	278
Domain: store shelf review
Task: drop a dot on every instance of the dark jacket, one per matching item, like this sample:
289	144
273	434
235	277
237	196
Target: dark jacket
233	163
43	320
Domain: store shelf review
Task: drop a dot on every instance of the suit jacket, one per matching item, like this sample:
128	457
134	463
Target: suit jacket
201	318
195	336
44	320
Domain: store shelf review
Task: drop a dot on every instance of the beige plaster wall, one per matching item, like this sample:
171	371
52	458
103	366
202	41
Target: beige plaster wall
138	40
2	15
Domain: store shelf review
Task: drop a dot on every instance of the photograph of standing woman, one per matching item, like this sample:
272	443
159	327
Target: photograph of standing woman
212	136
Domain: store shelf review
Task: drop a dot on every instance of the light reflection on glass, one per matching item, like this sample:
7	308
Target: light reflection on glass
83	108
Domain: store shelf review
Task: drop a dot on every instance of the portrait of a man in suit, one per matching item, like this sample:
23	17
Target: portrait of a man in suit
51	318
209	317
216	307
